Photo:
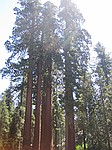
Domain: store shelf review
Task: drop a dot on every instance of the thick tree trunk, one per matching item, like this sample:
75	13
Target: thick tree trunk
69	130
46	126
36	143
49	116
69	108
27	125
28	113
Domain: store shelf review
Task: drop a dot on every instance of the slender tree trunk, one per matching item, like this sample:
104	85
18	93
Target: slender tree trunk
55	131
46	126
43	122
27	125
21	97
56	140
36	143
84	139
84	112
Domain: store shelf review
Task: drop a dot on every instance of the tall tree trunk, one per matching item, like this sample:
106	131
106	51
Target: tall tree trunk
36	143
21	97
43	120
46	126
69	130
69	107
28	112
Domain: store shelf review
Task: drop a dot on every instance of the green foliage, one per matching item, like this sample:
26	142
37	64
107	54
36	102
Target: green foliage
81	147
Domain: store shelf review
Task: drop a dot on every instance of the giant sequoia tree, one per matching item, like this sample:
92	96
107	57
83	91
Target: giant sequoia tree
48	47
49	54
75	54
21	45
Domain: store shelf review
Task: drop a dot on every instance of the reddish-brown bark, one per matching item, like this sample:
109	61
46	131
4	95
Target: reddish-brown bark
27	124
69	109
28	112
46	127
69	126
70	132
36	143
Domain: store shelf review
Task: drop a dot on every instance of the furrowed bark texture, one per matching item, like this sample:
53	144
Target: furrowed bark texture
28	113
69	107
36	143
46	129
